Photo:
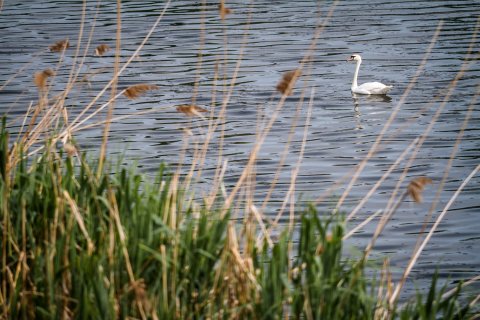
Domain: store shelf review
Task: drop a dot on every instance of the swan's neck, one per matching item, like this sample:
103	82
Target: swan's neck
355	76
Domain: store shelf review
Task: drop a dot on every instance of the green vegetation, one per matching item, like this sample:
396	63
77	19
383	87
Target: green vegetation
79	245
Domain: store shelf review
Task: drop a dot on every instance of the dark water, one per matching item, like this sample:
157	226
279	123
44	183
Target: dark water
392	37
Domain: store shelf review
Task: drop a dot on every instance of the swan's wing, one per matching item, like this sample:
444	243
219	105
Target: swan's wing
360	90
375	88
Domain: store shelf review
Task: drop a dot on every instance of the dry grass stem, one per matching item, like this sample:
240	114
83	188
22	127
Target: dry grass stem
132	57
113	87
384	291
275	114
122	236
458	140
415	188
423	137
87	76
137	90
20	71
227	92
466	283
285	152
416	255
77	67
291	190
75	127
60	46
118	118
429	128
201	45
265	232
362	224
328	192
380	181
101	50
80	221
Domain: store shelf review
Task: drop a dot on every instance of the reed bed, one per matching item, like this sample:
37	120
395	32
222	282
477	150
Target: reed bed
83	238
108	246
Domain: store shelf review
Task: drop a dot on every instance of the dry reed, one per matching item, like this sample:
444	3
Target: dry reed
224	11
40	78
415	188
60	46
129	61
191	110
277	110
286	84
137	90
418	251
100	50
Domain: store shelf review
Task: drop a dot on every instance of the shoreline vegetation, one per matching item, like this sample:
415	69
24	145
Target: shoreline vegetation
80	245
85	239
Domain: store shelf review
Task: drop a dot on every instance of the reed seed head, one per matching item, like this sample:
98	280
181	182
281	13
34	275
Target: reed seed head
59	46
101	50
70	149
287	83
223	10
40	78
137	90
190	109
415	188
320	249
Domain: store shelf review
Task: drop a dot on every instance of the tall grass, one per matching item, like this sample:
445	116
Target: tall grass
80	245
89	239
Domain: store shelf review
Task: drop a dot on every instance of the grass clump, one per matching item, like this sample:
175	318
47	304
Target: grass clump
78	245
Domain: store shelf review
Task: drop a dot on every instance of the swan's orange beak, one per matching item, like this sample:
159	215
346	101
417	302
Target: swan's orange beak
349	59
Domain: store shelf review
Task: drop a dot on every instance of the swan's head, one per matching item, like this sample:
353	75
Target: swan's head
355	57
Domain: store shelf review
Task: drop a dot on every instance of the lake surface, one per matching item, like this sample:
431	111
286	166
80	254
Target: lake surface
391	36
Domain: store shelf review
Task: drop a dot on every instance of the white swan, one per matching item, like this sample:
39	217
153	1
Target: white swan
369	87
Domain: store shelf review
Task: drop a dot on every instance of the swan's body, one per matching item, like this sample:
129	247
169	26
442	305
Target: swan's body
368	87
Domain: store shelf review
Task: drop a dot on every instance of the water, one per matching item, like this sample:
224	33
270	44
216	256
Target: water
392	37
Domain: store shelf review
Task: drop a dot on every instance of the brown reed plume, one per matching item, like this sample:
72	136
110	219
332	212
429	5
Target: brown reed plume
223	10
415	188
285	86
101	50
191	110
59	46
70	149
137	90
40	78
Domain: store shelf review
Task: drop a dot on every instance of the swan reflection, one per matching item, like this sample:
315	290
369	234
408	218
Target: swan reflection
382	98
364	99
